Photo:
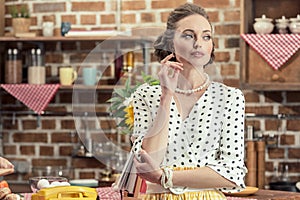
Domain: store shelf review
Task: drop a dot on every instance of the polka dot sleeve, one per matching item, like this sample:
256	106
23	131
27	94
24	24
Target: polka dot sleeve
231	159
142	115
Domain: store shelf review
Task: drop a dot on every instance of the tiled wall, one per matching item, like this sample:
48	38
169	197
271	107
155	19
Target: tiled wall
52	143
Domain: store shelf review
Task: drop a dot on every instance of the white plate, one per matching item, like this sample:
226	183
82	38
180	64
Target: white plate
84	182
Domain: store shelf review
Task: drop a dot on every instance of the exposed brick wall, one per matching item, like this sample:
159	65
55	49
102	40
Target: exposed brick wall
53	142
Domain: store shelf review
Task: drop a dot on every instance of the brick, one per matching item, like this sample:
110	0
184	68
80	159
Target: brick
67	124
88	6
164	16
66	150
48	124
108	19
133	5
53	57
262	110
147	17
232	82
231	15
294	153
61	137
289	109
228	29
293	125
107	124
232	42
87	175
87	19
287	139
49	7
251	97
9	149
46	150
228	69
30	137
29	124
8	124
166	4
49	18
276	153
69	18
213	16
86	163
213	4
222	56
49	162
128	18
237	55
27	150
272	125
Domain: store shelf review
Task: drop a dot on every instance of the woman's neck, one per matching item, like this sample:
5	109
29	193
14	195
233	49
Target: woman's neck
191	77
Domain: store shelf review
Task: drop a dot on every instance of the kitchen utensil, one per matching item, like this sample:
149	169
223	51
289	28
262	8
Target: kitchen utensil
263	25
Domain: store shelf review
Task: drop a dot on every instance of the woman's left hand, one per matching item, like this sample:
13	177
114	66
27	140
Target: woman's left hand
148	169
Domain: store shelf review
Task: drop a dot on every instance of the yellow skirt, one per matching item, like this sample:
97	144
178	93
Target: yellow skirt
199	195
195	195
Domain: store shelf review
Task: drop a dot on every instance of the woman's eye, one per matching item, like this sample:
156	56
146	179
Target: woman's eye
206	37
188	36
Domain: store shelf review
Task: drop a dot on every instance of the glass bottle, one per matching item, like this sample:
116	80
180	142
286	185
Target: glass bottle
285	174
13	67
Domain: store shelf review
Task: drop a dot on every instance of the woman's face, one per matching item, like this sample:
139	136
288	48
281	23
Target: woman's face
193	40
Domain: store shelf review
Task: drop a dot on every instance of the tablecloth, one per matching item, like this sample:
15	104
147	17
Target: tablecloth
275	49
35	97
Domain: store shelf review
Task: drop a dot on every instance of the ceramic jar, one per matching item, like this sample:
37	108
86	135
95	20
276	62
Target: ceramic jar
263	25
282	24
295	24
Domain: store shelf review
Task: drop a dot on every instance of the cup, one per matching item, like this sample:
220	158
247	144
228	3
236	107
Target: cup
65	28
67	75
36	75
90	76
48	28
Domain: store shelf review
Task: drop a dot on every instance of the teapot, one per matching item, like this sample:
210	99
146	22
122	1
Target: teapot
263	25
295	24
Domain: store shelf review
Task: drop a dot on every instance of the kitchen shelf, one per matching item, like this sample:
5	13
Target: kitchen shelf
255	72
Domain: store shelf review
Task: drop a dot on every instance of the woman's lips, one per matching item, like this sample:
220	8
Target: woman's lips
197	54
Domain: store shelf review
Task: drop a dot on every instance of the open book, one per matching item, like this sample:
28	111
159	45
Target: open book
128	178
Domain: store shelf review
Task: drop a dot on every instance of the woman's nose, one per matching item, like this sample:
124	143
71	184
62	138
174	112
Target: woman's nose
197	43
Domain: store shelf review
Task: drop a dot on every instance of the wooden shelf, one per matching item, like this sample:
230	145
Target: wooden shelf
255	72
60	38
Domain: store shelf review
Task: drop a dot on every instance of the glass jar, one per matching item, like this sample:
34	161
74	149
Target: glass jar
13	67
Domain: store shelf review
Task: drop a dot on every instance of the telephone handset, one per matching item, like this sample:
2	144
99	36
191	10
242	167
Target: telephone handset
66	193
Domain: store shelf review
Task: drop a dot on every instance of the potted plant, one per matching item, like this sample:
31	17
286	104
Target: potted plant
20	19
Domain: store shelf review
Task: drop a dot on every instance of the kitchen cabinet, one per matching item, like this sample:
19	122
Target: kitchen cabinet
255	72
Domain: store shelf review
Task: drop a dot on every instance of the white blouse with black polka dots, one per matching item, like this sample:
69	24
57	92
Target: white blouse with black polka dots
211	135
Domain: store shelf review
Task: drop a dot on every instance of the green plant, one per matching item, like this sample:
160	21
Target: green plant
122	105
21	12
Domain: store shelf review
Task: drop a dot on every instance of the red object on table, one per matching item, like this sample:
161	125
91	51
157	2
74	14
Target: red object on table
36	97
275	49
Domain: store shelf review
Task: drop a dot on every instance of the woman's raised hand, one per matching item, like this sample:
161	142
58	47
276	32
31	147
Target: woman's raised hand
168	75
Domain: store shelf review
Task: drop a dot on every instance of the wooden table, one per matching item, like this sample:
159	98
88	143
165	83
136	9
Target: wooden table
274	195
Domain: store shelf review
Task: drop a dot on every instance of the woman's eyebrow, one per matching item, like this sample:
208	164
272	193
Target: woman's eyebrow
191	30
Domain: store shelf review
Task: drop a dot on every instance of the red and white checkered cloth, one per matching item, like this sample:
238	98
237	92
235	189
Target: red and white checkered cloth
35	97
108	193
276	49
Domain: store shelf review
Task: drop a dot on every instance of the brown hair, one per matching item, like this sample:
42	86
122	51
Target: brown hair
164	44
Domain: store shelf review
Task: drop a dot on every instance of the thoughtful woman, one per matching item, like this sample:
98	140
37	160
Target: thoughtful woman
188	131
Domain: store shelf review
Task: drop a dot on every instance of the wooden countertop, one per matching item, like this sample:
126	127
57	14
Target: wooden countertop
274	195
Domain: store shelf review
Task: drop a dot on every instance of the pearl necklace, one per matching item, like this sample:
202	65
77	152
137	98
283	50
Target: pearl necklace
180	91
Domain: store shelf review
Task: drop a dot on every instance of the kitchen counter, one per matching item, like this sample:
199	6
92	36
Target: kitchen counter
273	195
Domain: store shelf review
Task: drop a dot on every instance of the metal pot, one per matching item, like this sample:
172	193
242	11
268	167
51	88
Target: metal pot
284	186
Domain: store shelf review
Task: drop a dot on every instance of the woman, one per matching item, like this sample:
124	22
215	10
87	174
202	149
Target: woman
188	131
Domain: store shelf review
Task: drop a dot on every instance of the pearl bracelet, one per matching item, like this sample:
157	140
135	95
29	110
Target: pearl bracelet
167	178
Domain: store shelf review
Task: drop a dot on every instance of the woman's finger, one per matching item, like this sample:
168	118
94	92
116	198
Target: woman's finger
167	58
